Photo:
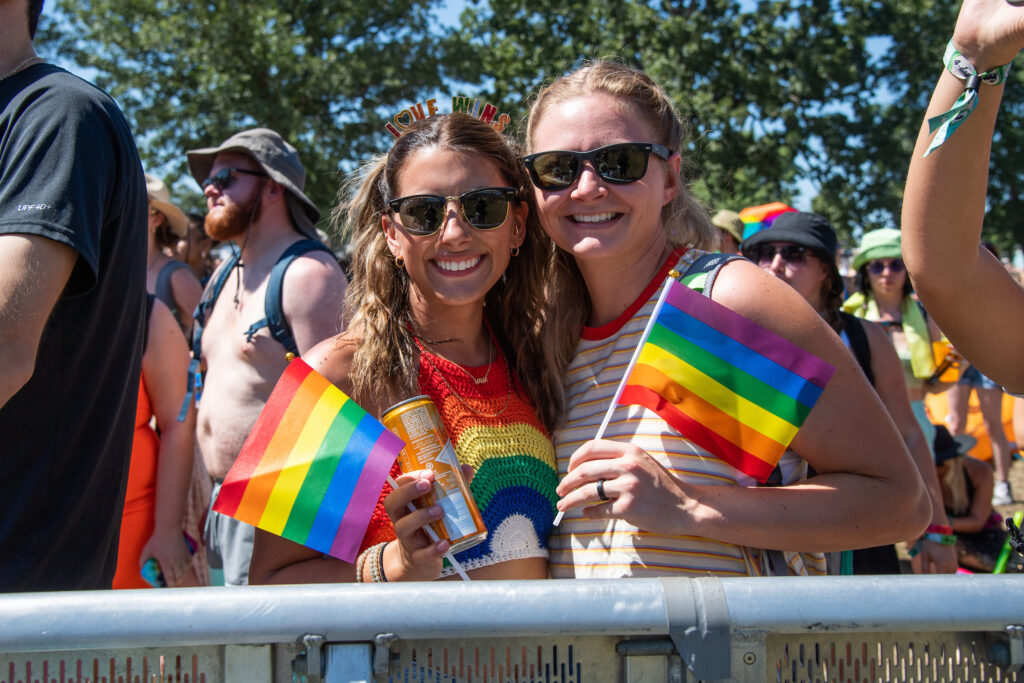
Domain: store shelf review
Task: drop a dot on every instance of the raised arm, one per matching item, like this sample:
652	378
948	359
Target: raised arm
963	286
33	272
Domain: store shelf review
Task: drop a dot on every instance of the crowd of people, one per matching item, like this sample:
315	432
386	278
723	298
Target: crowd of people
508	280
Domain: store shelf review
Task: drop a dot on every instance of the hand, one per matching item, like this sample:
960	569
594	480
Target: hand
989	32
171	552
642	492
935	558
414	557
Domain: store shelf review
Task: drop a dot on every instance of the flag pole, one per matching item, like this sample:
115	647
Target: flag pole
433	537
672	275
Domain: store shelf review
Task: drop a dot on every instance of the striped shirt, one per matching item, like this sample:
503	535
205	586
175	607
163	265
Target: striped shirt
585	548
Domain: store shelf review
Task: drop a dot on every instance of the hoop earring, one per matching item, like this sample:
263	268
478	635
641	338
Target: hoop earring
515	236
515	251
399	262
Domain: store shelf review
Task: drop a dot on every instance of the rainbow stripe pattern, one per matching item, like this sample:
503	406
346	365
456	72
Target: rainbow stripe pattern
756	218
724	382
313	466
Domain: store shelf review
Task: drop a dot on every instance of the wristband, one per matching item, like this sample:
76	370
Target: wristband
939	529
941	539
944	125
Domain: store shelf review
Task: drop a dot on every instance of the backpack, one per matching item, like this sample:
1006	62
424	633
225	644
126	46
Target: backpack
272	308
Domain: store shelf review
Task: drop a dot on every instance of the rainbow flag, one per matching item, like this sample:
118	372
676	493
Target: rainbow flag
725	383
756	218
313	466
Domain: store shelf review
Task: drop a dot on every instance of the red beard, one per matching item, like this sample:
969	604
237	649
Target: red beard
230	220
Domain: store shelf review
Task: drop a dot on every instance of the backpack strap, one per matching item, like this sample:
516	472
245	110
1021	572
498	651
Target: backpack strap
164	291
206	304
854	329
273	306
703	272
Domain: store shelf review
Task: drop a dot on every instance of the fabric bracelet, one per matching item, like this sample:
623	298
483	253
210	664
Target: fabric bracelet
938	529
941	539
943	125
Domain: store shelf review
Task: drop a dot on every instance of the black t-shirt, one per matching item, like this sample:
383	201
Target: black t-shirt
70	172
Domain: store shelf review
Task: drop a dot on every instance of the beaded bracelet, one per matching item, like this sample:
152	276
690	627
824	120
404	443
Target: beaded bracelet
374	562
947	122
360	563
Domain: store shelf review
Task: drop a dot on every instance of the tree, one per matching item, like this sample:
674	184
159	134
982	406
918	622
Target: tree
325	75
780	92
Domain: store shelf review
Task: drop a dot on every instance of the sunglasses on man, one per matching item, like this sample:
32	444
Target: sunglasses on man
424	214
764	254
621	163
222	179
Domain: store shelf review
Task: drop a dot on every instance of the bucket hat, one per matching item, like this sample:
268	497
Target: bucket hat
277	158
883	243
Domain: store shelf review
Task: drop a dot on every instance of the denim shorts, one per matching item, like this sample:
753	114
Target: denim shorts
974	379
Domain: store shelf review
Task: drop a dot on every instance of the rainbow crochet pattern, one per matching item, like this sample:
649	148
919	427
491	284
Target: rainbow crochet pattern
495	429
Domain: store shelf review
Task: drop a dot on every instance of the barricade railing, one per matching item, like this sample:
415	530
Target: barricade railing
900	628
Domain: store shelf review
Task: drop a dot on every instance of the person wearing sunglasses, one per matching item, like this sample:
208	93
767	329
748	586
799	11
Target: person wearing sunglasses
253	183
885	296
800	249
445	299
605	160
973	298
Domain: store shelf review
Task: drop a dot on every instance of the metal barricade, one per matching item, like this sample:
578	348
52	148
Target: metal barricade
901	628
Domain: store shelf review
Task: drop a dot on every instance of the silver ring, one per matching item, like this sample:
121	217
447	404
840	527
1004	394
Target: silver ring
600	490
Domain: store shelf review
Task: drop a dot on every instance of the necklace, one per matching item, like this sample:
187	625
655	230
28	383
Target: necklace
21	67
440	373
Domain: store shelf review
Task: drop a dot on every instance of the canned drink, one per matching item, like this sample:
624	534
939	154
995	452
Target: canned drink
417	422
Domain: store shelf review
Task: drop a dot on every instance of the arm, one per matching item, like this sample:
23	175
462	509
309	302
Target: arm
892	389
165	370
847	438
33	272
980	475
963	286
187	293
312	298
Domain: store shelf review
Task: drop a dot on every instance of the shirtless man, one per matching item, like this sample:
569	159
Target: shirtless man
253	185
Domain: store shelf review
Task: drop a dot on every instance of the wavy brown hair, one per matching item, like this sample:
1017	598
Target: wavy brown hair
377	300
684	219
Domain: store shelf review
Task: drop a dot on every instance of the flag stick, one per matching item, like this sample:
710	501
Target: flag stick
433	537
629	369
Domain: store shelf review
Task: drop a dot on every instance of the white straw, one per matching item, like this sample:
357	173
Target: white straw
433	537
629	370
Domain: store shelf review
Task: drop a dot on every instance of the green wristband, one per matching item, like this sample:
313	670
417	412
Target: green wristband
941	539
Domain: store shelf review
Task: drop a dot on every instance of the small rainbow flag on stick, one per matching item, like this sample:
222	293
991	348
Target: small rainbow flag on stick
727	384
757	218
313	466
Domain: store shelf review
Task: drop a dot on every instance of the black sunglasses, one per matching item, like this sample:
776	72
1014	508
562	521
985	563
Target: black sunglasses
222	178
621	163
763	254
484	209
878	267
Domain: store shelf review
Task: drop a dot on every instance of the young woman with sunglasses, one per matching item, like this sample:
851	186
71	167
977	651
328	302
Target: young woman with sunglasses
885	296
445	298
605	161
800	249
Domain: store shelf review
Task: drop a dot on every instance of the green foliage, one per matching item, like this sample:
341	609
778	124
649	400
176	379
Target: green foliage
190	74
780	95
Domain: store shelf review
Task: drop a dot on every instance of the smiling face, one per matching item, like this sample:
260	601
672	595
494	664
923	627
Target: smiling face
457	265
593	219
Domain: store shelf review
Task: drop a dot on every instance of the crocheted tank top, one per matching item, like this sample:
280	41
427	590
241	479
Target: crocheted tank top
494	428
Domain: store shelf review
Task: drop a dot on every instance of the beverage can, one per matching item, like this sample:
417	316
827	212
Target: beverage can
417	422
